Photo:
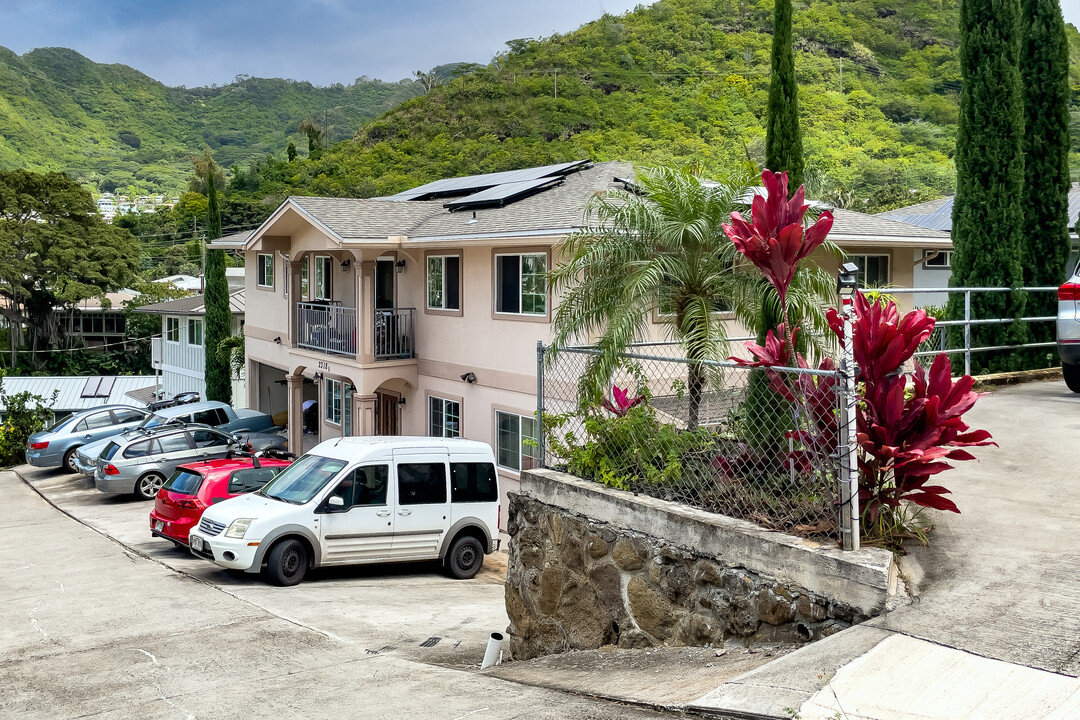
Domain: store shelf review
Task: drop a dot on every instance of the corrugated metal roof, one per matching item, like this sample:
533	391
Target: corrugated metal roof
70	390
193	305
937	214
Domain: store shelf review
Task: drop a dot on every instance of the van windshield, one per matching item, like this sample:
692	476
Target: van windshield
303	480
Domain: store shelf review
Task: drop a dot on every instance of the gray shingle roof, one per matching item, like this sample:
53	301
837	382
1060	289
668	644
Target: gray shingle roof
558	208
193	305
371	218
850	224
232	241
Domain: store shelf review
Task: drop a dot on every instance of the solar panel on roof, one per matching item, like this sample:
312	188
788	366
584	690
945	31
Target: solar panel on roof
476	183
501	194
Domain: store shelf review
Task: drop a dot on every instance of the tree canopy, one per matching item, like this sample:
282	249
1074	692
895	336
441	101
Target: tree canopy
55	250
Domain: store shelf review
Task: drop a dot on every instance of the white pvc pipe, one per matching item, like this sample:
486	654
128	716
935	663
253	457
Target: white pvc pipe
492	653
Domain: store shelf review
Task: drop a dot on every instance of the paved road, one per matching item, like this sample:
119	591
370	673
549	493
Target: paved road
90	627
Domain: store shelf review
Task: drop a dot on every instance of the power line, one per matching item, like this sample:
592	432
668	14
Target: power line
50	351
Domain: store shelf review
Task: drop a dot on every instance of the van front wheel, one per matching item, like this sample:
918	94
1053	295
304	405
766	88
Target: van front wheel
466	557
287	563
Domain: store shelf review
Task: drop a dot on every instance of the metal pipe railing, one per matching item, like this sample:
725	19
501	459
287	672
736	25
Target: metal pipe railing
394	333
327	328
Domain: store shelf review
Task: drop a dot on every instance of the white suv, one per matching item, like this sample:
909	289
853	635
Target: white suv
1068	331
357	500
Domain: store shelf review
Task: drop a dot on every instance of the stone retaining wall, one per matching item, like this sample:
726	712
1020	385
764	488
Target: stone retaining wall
590	566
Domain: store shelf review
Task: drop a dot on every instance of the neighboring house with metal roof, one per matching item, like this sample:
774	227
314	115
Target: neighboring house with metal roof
179	354
419	313
74	394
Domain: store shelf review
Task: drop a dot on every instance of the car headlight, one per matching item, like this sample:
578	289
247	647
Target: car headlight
238	527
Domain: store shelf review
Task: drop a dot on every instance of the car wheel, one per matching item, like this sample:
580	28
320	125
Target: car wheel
287	563
69	460
466	557
1072	376
148	485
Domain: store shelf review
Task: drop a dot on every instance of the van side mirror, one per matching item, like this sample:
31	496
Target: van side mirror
335	501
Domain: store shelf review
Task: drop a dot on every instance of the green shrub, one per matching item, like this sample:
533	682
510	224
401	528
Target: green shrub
26	414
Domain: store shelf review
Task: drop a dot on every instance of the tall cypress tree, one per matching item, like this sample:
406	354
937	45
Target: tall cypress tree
216	301
1044	72
987	216
783	139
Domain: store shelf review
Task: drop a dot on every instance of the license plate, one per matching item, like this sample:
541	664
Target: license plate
159	526
196	543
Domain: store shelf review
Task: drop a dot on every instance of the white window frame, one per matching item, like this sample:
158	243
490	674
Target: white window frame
264	270
441	275
521	283
325	264
888	267
929	262
193	323
332	397
172	329
522	450
304	277
443	405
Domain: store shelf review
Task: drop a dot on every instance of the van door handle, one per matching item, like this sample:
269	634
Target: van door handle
383	513
404	512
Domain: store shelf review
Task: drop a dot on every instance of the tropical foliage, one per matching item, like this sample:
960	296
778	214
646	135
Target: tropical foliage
55	250
656	251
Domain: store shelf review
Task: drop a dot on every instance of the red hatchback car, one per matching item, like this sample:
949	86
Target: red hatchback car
193	488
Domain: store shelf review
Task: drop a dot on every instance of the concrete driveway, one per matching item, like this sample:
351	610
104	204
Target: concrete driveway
993	631
99	619
1002	579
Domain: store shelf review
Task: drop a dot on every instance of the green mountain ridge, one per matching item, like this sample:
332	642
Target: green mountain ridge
111	125
679	81
686	81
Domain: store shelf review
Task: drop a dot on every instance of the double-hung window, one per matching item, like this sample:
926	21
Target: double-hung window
265	270
324	265
195	331
333	400
444	418
172	329
520	284
304	278
443	282
515	438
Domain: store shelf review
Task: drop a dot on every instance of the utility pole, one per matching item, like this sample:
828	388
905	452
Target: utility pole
841	74
326	128
556	83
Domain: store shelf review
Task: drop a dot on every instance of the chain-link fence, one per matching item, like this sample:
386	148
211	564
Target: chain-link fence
753	443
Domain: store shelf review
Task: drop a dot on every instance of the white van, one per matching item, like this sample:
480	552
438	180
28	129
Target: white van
358	500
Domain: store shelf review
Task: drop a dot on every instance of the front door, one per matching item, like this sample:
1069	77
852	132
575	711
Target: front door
362	528
386	412
423	507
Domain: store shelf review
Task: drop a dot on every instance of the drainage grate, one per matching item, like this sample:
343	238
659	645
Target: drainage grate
431	642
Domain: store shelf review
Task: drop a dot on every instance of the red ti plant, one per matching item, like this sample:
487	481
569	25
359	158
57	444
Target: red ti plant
623	401
775	240
905	441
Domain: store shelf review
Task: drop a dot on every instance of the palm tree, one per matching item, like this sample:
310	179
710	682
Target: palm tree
660	248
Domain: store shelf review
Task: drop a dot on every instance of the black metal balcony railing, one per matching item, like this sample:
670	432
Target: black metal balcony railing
394	334
328	328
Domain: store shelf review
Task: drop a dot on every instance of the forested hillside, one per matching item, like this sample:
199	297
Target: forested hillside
685	81
111	126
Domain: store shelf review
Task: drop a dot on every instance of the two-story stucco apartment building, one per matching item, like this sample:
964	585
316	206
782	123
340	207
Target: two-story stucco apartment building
419	313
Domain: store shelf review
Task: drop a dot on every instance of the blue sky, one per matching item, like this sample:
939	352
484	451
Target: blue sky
199	42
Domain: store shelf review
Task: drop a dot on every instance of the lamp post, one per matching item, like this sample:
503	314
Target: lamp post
846	287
